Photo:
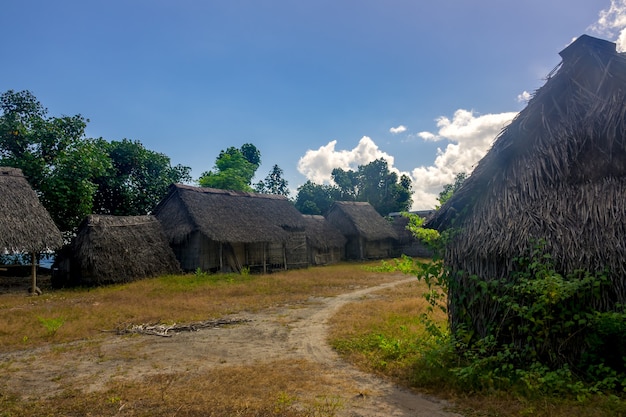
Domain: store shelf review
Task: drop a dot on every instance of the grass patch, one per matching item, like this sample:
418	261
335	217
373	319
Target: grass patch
27	322
384	335
273	389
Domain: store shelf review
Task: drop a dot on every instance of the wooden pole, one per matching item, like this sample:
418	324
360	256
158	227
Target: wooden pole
264	260
33	273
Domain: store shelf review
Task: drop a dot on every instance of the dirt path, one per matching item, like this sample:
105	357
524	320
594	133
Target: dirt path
296	332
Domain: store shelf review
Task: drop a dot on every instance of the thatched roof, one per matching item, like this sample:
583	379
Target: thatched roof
557	172
227	216
399	222
356	218
25	225
321	234
121	248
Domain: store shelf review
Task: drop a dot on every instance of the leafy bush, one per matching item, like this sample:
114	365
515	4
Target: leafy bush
553	334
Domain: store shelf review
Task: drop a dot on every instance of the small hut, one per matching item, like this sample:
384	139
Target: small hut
115	249
326	244
407	244
368	234
221	230
557	173
25	225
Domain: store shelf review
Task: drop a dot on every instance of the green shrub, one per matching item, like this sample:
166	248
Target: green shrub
550	336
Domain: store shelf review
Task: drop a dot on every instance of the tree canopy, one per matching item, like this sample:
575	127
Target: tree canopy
373	183
449	189
234	169
274	183
137	179
316	199
74	175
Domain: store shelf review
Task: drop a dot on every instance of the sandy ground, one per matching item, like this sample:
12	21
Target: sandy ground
285	333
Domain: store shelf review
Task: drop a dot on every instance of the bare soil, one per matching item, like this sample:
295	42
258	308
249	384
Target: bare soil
288	333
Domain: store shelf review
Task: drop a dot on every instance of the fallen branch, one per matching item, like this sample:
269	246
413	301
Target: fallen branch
168	330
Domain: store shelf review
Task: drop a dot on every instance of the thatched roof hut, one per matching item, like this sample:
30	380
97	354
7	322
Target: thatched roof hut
25	225
214	229
369	235
557	173
114	249
406	243
325	242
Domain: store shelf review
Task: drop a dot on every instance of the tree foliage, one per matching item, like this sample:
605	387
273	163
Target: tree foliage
316	199
234	169
54	155
137	179
74	175
450	189
274	183
373	183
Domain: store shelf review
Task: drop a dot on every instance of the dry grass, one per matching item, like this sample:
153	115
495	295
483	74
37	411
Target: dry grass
383	335
27	322
272	389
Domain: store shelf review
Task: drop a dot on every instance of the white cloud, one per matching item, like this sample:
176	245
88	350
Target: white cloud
469	137
317	165
428	136
399	129
524	96
612	23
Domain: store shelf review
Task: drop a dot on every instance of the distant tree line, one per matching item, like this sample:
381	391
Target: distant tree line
373	183
75	175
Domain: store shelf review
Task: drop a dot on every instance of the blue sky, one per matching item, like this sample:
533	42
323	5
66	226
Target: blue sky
313	84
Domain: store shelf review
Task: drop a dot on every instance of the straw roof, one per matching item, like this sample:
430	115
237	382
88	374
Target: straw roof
557	172
121	248
227	216
321	234
357	218
25	225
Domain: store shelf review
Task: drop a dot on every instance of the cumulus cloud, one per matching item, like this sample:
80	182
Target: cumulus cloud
612	23
317	165
399	129
524	96
469	136
428	136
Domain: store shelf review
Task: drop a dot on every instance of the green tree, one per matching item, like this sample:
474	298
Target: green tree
347	182
383	189
274	183
316	199
251	153
234	169
137	179
59	162
375	184
450	189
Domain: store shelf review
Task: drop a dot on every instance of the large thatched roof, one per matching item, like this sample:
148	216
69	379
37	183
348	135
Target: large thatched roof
25	225
321	234
227	216
120	248
557	172
356	218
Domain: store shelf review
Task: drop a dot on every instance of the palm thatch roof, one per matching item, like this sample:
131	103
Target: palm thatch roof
25	225
227	216
357	218
407	243
110	249
557	173
321	234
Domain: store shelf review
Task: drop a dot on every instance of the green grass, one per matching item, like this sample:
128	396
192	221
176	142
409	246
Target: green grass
384	335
